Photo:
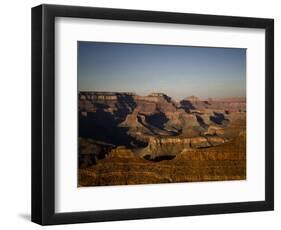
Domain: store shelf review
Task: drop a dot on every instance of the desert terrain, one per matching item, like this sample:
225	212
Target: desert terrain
126	139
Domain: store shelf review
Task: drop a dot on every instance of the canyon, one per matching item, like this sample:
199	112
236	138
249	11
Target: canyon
125	138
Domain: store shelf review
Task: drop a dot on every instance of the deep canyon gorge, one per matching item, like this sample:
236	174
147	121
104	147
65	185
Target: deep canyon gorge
125	138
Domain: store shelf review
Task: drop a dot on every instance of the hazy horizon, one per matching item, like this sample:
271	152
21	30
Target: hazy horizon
178	71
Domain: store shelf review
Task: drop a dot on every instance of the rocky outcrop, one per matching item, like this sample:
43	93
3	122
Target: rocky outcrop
118	104
169	147
192	99
164	147
214	140
122	166
121	152
221	105
91	151
131	120
199	142
110	101
214	130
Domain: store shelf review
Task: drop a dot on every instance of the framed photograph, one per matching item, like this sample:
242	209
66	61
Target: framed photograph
142	114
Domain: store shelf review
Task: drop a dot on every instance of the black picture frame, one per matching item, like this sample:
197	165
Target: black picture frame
43	110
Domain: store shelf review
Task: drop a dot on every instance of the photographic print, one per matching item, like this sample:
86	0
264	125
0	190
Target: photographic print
174	108
150	114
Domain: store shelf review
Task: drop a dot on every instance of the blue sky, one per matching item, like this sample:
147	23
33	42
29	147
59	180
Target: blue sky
178	71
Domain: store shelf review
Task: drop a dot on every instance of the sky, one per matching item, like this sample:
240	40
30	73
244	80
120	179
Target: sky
178	71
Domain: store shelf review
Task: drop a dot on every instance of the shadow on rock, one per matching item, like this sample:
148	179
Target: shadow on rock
218	118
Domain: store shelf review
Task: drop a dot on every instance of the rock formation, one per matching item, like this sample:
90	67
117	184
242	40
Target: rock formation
155	129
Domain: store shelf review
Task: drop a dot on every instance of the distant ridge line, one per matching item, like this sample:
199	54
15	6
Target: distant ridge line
160	94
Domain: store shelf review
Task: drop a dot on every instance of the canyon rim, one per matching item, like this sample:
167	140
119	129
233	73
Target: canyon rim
151	114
